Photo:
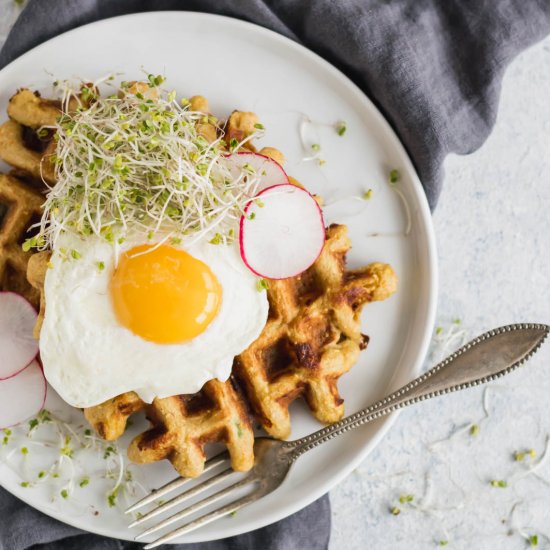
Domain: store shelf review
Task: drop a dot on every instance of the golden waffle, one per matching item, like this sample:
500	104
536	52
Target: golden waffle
182	426
20	207
20	144
312	336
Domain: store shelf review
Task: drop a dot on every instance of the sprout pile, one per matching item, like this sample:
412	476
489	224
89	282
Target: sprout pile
135	162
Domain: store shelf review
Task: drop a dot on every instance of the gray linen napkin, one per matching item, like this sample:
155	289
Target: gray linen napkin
433	67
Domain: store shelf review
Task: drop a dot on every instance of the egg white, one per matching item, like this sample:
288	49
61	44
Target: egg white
89	357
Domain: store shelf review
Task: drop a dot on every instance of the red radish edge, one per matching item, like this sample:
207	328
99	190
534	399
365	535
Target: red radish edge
18	387
29	355
241	232
284	176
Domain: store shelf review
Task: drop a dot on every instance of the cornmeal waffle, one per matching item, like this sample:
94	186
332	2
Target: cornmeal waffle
20	207
182	426
20	144
312	336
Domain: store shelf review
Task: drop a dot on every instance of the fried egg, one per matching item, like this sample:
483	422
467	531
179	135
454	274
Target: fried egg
158	319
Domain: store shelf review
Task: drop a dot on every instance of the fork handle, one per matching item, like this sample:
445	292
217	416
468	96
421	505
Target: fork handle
487	357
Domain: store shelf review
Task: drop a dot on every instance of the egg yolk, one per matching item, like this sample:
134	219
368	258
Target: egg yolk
163	294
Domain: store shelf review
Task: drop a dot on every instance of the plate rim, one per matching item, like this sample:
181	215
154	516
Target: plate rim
425	219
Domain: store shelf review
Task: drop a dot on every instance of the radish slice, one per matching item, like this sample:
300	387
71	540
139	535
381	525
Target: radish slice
270	171
18	347
283	237
22	396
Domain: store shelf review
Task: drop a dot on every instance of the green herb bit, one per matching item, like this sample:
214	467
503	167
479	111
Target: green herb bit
439	331
262	285
109	451
443	542
239	429
518	457
534	540
457	321
175	241
259	126
395	176
55	476
25	484
316	147
404	499
33	242
216	239
75	254
233	143
41	474
367	195
321	162
24	451
474	430
44	416
341	128
33	423
18	2
100	266
252	216
499	483
112	496
155	81
532	453
88	432
84	482
395	511
233	514
64	493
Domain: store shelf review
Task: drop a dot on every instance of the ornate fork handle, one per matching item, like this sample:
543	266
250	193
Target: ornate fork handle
469	366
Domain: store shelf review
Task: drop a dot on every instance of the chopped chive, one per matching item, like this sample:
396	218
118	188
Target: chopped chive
84	482
394	176
403	499
395	511
474	430
64	493
316	147
259	126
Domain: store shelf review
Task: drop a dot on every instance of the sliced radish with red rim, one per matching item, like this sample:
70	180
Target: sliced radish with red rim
282	232
269	170
18	347
22	396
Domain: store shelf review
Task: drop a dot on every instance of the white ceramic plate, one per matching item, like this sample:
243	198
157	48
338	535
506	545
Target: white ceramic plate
237	65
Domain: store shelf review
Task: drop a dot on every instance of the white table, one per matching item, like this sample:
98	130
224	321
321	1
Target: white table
493	231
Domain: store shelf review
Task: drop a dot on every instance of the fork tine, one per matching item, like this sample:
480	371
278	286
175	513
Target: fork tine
176	483
207	518
195	507
197	490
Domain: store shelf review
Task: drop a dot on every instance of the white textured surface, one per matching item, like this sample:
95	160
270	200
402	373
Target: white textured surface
494	234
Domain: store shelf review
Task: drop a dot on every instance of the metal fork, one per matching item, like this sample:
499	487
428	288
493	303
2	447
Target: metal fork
485	358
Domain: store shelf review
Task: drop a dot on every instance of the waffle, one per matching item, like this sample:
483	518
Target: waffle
312	336
20	207
182	426
20	144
